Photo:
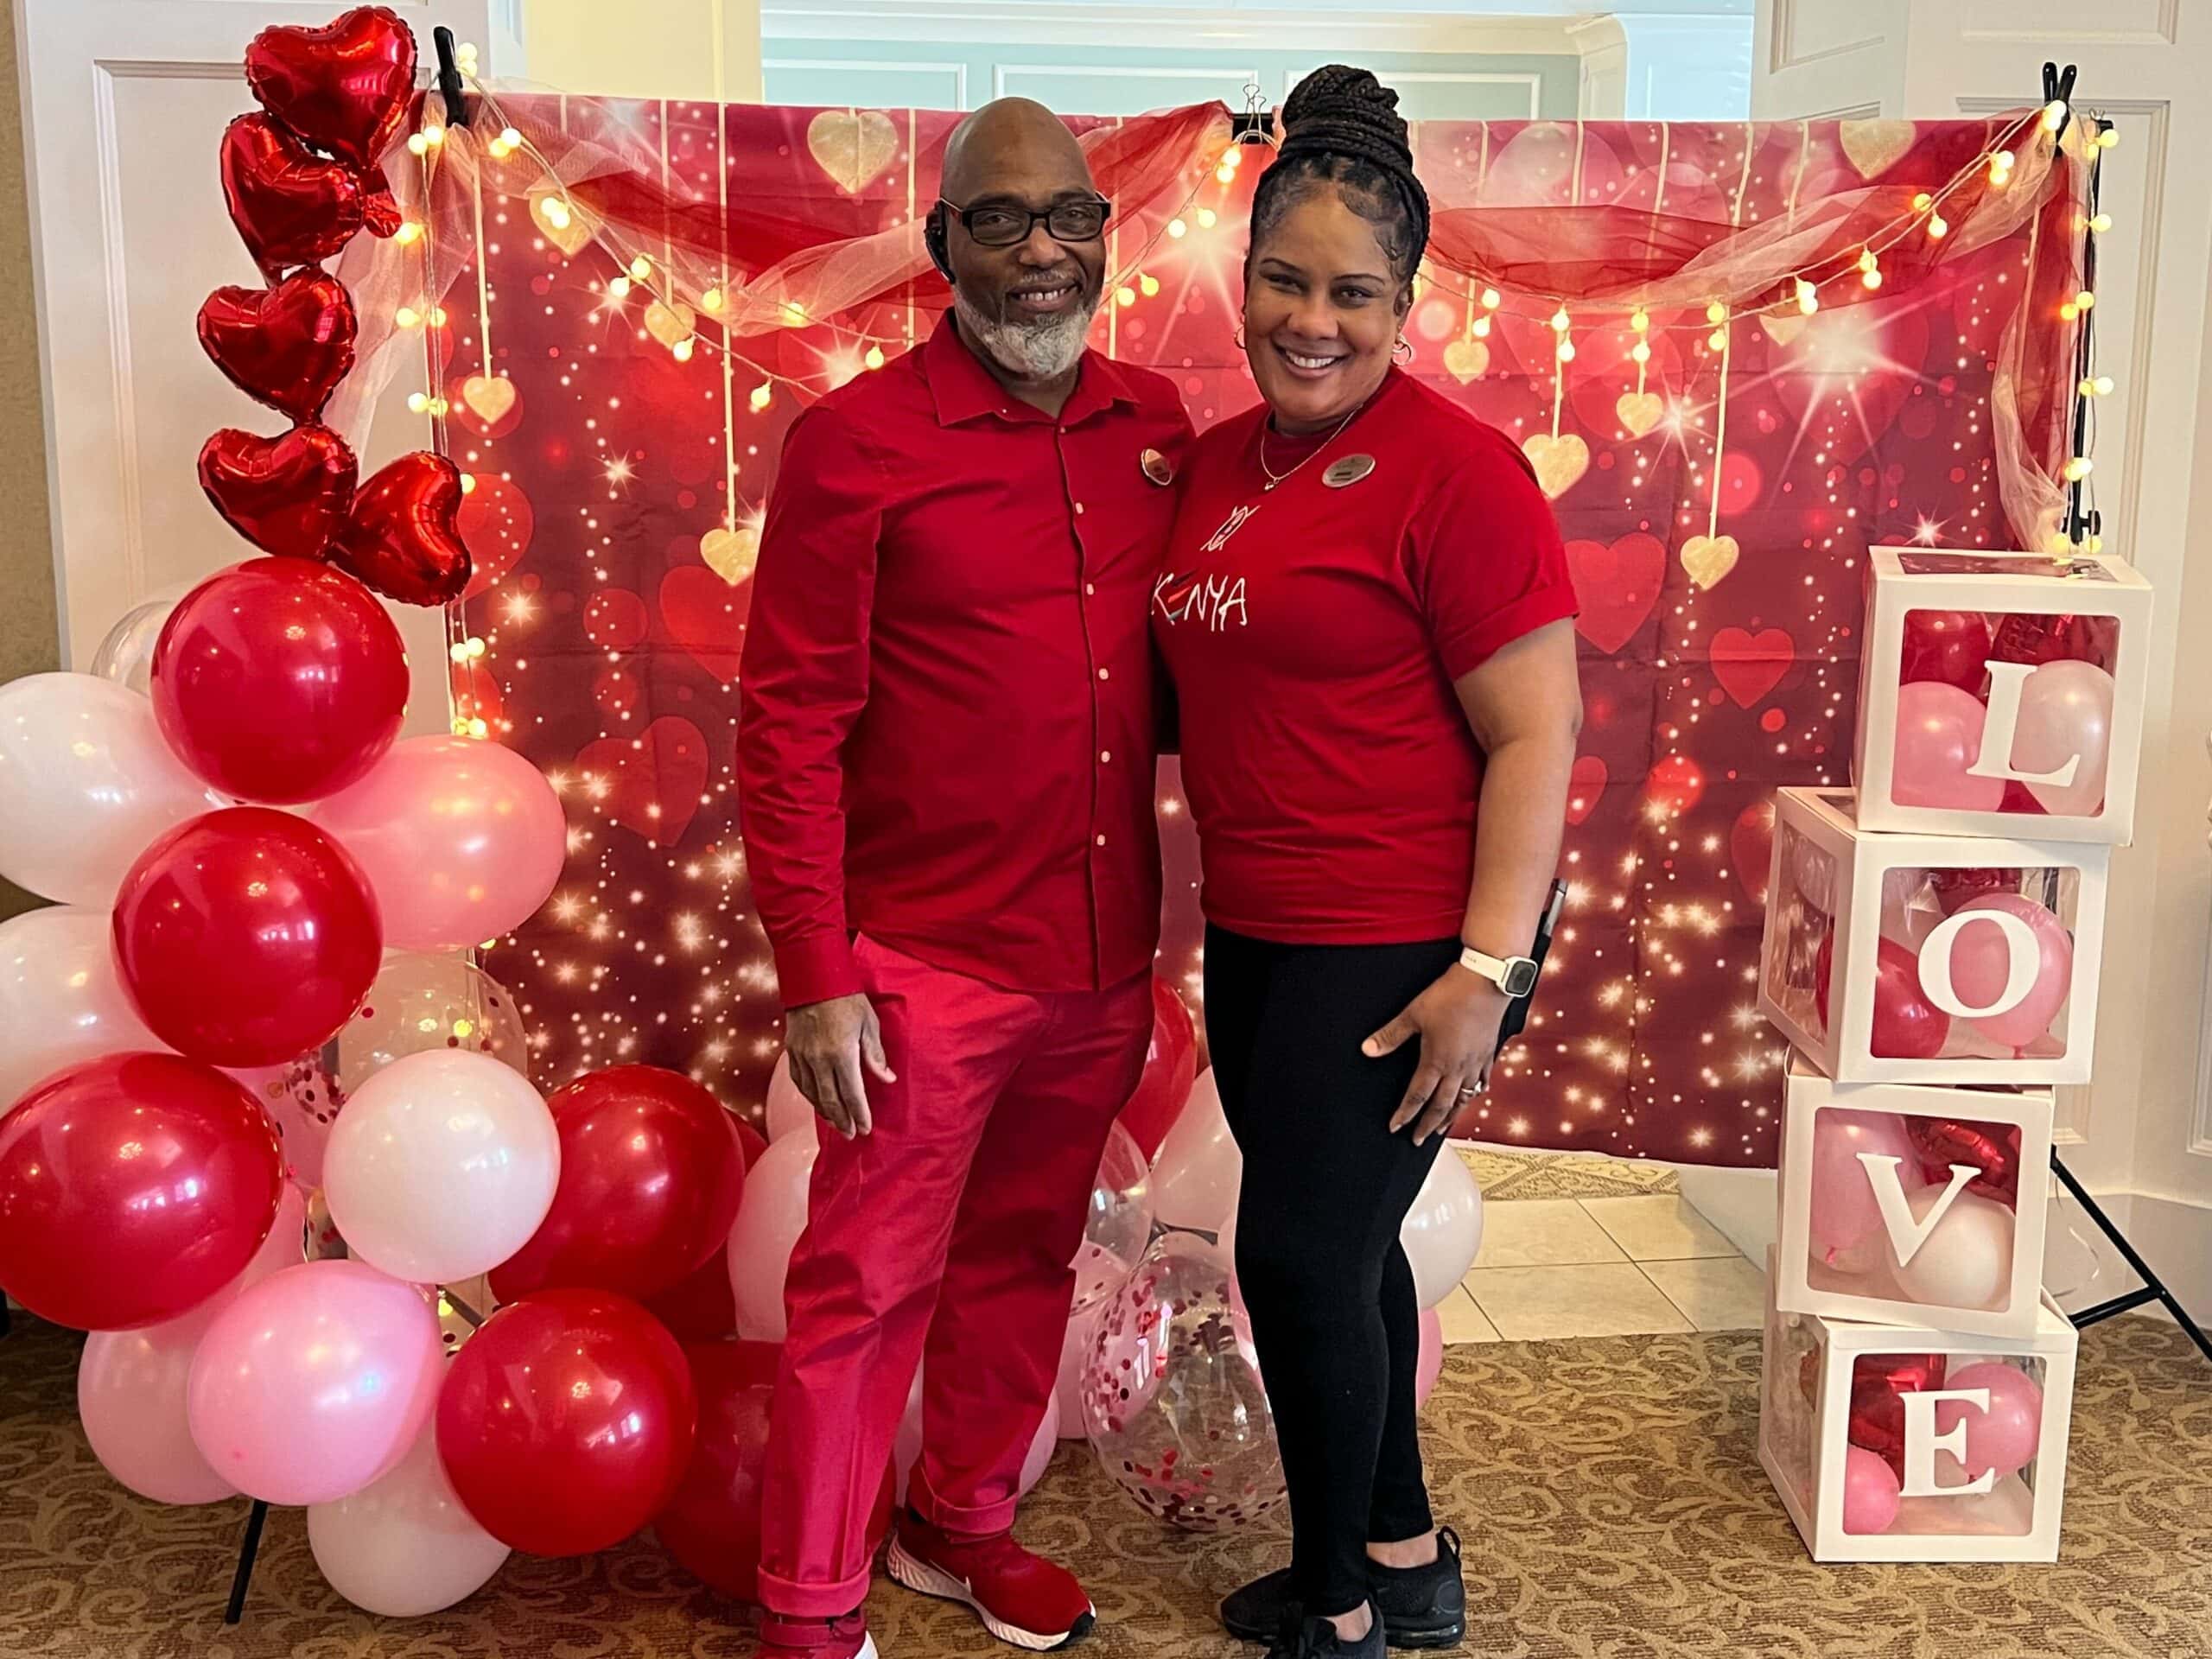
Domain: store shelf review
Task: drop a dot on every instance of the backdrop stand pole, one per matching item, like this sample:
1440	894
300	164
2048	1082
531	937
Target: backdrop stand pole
256	1518
2154	1288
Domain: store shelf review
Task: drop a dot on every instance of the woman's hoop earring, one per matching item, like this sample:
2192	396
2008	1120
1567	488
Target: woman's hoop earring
1403	352
1238	337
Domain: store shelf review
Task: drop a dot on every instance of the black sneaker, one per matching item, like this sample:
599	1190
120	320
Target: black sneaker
1421	1607
1317	1638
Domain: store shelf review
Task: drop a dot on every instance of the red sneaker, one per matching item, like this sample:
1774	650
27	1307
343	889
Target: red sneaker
816	1638
1023	1599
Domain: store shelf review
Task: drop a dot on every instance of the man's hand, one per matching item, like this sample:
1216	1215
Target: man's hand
826	1043
1457	1019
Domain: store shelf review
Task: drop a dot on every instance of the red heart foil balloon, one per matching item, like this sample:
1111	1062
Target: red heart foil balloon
380	213
1955	887
287	495
2025	637
290	206
344	87
1878	1384
1993	1148
402	538
288	346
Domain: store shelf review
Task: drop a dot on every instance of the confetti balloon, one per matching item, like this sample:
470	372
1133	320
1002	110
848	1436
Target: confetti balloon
1172	1406
420	1001
1120	1223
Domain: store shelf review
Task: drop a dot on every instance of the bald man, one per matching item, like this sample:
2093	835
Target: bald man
945	757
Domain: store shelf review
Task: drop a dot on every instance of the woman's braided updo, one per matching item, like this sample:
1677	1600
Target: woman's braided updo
1341	128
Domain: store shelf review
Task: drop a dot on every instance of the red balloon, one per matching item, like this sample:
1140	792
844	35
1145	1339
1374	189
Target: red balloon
288	346
2026	636
1878	1384
1993	1148
712	1526
566	1423
291	207
700	1307
246	937
380	214
1907	1025
1956	887
344	87
132	1188
280	680
1170	1065
650	1177
1950	646
403	537
287	495
1750	849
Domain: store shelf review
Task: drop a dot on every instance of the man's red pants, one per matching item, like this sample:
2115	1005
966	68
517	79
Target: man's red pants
945	1236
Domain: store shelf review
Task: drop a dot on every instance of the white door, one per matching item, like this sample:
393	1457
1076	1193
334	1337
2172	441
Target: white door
125	101
2143	1131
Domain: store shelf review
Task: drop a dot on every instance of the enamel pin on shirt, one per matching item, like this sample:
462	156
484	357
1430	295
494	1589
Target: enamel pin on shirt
1157	467
1339	473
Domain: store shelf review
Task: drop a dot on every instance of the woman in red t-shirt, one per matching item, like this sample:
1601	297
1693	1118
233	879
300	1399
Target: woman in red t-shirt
1367	614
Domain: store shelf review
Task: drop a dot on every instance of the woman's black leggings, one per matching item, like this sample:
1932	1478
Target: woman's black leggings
1326	1188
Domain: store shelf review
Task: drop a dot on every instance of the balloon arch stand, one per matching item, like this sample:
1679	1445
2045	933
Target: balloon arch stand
327	970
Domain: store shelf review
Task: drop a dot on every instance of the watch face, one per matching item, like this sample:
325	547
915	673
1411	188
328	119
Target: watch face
1520	976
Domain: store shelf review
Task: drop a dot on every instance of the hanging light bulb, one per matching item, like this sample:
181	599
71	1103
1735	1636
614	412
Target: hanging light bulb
1938	227
2069	311
1208	218
2107	135
641	269
417	402
1718	340
1491	299
2084	301
2000	168
711	300
874	359
1808	297
762	395
1481	326
2096	385
1565	349
1641	352
1639	319
407	316
618	287
2078	468
1922	202
681	350
2054	115
1178	229
1560	321
1869	269
2100	223
1147	284
1716	312
410	231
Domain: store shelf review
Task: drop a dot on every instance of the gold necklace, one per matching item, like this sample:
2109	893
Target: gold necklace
1275	477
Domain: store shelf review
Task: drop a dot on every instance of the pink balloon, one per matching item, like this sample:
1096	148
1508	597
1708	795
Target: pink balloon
1872	1494
1982	961
2005	1437
1843	1211
462	840
2065	713
789	1111
132	1384
769	1222
314	1383
1430	1365
1938	737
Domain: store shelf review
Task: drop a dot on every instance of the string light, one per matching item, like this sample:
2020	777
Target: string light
2108	136
1869	269
1718	340
1561	322
618	287
641	269
410	231
1938	227
1178	229
556	212
1640	319
1125	295
1809	298
469	483
2084	301
2096	386
1481	328
2000	168
1207	219
1716	312
2098	224
1922	202
681	350
1641	352
2079	469
1147	285
2093	544
1493	299
423	142
418	403
2054	115
407	316
711	300
763	395
874	359
1565	350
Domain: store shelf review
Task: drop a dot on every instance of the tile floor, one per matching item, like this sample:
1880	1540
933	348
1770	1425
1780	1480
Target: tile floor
1557	1268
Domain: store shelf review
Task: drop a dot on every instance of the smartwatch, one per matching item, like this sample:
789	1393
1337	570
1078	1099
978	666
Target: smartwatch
1515	976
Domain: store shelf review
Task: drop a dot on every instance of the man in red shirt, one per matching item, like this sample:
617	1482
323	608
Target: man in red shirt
946	766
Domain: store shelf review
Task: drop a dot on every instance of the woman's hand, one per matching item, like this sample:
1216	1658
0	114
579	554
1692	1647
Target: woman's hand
1457	1019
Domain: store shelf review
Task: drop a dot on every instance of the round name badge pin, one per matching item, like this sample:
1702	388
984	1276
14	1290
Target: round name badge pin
1339	473
1157	467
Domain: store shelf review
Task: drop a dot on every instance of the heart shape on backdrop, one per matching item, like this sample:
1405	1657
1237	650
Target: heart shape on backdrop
489	396
670	324
291	206
653	781
1749	665
732	554
1559	460
561	219
1784	328
1616	586
1585	785
1875	147
706	616
343	87
403	537
287	347
1708	558
287	495
1640	411
1465	361
852	146
496	521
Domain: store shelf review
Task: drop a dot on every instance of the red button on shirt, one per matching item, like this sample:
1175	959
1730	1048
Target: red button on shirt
948	626
1315	633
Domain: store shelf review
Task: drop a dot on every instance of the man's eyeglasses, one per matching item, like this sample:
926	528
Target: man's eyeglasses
1004	225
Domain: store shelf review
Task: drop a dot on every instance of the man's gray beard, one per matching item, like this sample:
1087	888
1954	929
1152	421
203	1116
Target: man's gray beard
1036	349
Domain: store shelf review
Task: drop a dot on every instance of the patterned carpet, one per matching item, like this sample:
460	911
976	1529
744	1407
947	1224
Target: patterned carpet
1504	1176
1612	1502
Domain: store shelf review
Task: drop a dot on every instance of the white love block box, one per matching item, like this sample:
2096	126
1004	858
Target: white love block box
1893	1445
2002	694
1927	958
1910	1205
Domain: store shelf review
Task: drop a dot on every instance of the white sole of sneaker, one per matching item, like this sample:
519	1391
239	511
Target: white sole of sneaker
924	1580
868	1648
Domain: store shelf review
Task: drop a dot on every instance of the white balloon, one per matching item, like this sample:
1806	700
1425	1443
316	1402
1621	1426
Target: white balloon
1444	1230
440	1166
906	1445
60	1001
1197	1170
769	1222
403	1546
86	783
1967	1261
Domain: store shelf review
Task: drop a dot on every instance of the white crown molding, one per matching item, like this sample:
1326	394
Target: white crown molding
1285	25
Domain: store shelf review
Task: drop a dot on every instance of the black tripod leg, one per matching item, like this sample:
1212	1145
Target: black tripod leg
247	1550
2136	1264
